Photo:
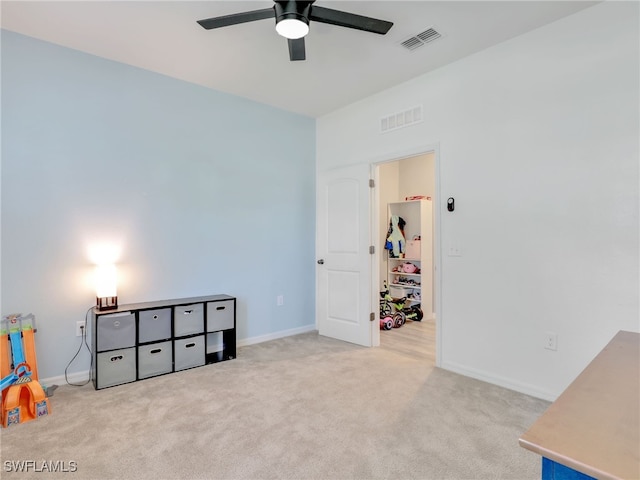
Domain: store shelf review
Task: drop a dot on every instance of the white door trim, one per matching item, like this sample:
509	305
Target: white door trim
437	260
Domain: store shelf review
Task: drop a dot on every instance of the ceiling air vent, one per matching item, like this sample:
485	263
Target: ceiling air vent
429	35
401	119
412	43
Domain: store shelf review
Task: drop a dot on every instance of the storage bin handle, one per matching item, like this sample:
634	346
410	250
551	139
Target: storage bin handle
190	345
115	358
221	308
155	350
187	312
155	317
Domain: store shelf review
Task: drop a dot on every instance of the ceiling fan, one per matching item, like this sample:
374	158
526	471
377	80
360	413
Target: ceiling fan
292	22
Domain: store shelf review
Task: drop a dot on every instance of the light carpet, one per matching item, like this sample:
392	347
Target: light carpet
301	407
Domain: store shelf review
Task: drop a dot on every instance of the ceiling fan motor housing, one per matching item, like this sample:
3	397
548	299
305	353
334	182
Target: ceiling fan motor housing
292	10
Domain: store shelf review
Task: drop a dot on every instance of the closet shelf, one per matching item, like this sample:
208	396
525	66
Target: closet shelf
406	285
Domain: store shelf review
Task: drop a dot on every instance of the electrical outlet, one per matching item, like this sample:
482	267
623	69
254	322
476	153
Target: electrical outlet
79	328
280	300
551	341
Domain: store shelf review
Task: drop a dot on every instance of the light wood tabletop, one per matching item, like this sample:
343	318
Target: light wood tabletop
594	426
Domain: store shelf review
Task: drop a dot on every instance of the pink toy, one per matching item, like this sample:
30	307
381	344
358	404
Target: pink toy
386	323
409	268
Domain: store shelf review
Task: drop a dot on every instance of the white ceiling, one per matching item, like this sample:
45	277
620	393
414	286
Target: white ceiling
251	59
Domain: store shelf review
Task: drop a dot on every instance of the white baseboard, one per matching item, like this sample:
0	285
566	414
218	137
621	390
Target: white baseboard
273	336
77	378
525	388
82	377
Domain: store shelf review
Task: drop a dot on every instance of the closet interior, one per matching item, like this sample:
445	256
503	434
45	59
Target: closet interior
406	233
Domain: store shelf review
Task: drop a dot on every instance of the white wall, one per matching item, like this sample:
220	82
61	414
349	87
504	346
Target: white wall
538	142
417	176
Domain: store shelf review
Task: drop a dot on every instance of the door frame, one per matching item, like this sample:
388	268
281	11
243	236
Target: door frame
375	228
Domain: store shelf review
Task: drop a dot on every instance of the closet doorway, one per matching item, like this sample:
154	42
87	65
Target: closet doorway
406	199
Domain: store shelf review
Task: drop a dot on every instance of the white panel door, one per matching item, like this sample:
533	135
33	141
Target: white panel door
343	286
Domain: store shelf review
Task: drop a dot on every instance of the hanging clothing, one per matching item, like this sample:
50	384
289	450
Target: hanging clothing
395	238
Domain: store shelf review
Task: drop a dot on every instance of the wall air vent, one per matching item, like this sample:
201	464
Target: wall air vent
401	119
429	35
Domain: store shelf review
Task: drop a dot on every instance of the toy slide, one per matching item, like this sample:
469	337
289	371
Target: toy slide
23	398
30	351
22	367
20	371
8	381
5	357
15	338
25	401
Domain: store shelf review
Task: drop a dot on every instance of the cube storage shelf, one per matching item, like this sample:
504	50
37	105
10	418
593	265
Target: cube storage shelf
143	340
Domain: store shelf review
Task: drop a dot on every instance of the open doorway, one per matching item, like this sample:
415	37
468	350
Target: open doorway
405	195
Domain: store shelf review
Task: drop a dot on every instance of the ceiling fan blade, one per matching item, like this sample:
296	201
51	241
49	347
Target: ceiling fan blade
236	18
349	20
296	49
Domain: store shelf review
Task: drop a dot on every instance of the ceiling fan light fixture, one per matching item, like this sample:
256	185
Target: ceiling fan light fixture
292	21
292	27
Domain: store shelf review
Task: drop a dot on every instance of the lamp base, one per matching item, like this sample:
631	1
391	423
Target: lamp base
107	303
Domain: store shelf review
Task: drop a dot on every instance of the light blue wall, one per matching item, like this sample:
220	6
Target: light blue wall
202	192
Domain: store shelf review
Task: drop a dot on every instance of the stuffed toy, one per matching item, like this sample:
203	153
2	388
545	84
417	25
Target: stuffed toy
410	268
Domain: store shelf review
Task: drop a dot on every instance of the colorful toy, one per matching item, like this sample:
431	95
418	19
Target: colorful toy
409	267
5	354
413	312
397	309
386	323
23	398
389	309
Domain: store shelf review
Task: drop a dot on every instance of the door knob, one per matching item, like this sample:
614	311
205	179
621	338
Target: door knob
321	262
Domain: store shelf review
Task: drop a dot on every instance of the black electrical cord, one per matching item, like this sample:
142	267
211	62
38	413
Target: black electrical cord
83	341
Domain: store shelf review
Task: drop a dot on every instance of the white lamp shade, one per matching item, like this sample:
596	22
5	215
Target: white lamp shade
106	281
292	28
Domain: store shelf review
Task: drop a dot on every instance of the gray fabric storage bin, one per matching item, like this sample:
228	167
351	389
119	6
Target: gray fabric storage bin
154	325
154	359
115	331
188	352
188	319
116	367
220	315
